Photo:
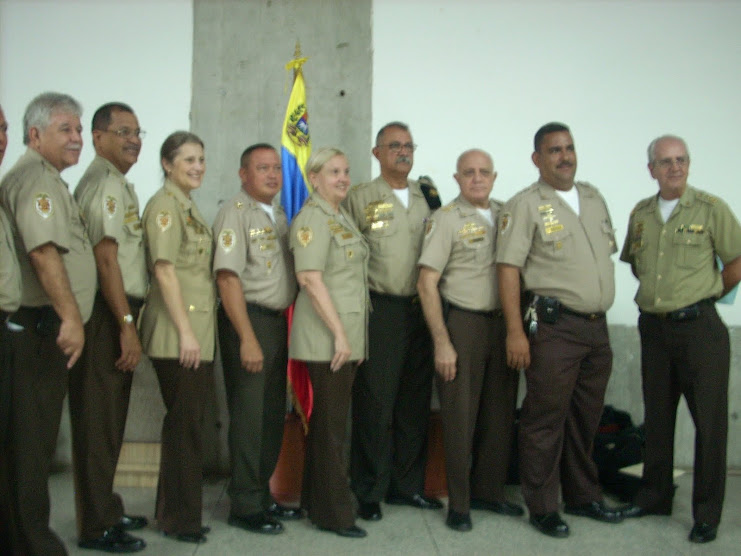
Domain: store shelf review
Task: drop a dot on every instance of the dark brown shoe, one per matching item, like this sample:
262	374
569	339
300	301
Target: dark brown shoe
550	524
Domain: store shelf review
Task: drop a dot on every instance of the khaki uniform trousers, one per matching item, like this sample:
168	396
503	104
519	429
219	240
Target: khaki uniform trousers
570	366
477	409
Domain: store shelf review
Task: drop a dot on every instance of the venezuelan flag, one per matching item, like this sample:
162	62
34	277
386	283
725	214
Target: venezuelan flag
295	152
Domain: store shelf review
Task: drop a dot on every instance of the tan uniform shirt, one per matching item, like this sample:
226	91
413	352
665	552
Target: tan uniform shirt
10	272
394	234
249	244
329	242
560	254
111	210
42	210
175	231
675	261
460	244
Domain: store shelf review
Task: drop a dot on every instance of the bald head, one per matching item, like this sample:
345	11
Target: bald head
475	176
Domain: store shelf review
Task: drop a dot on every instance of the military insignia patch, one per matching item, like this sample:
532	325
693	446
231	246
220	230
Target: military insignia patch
297	126
505	221
110	206
430	226
164	220
43	205
227	240
304	236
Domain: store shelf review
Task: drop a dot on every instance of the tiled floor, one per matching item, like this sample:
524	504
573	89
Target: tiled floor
413	532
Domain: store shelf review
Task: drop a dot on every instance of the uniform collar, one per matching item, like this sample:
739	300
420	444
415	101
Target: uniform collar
686	200
109	166
411	184
176	192
465	207
547	191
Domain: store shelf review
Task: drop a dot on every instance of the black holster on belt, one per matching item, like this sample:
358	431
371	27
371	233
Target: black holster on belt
549	309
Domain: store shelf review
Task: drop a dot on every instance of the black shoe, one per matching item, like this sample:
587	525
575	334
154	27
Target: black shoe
370	511
132	522
702	532
278	511
417	500
550	524
596	510
634	510
503	508
352	532
458	521
195	538
114	540
257	523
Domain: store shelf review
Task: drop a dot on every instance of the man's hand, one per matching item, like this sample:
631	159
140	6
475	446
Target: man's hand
71	340
250	353
131	349
518	350
445	360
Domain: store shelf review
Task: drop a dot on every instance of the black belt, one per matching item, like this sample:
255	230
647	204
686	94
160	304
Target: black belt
134	303
588	316
690	312
392	297
254	307
491	314
45	318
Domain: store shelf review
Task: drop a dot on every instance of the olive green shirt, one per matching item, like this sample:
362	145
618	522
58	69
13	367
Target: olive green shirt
42	211
10	272
329	242
110	208
460	244
674	261
249	244
175	232
560	254
394	234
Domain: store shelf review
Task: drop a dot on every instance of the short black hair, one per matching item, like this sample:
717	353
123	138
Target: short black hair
551	127
102	116
244	160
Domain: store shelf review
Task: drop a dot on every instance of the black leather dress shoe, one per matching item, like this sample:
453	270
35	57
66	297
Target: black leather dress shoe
596	510
550	524
352	532
702	532
634	510
132	522
257	523
279	511
114	539
503	508
459	521
417	500
195	538
370	511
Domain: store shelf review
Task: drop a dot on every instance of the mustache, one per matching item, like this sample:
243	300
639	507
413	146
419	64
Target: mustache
565	165
403	160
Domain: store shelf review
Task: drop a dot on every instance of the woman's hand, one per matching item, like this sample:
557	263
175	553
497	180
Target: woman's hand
190	350
342	352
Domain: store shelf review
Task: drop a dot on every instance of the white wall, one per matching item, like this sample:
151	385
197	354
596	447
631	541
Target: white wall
477	73
136	51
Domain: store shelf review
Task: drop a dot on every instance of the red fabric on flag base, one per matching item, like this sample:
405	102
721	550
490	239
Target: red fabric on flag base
302	394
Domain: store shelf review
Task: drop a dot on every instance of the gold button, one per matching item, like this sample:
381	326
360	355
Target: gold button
658	300
661	253
688	242
658	277
191	308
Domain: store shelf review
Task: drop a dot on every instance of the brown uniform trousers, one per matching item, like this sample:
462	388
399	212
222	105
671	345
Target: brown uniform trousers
98	404
391	397
326	495
478	409
257	407
179	489
689	358
570	366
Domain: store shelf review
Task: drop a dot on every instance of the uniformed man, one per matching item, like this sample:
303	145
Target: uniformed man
254	274
10	300
391	392
101	384
556	238
674	241
478	392
58	276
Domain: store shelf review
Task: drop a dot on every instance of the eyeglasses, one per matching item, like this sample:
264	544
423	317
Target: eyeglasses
396	147
126	133
666	163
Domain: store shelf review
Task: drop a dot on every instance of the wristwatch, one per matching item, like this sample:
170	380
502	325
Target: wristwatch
128	319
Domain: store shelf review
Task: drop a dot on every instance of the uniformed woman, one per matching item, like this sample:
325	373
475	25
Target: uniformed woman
329	332
178	330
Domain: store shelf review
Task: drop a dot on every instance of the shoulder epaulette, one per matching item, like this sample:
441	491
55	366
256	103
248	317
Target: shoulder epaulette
706	197
497	203
430	192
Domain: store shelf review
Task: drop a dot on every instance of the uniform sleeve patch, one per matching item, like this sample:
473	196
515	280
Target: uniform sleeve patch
505	222
43	205
164	220
304	236
227	240
110	206
430	227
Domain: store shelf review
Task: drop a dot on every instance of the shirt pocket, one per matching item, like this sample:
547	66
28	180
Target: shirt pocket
557	245
691	249
608	232
349	246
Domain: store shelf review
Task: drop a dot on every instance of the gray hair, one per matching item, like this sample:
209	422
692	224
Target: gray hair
651	151
39	111
390	125
320	157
